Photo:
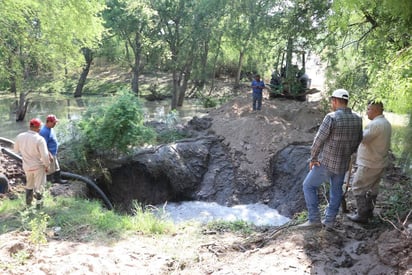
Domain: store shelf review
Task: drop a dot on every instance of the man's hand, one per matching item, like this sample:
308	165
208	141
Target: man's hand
313	163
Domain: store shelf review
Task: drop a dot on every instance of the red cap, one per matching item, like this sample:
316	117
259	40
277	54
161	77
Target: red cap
35	122
52	118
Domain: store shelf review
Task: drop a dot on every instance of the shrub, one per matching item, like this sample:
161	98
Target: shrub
116	127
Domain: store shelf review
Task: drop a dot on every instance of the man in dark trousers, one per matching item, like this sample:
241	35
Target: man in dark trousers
48	134
336	140
257	93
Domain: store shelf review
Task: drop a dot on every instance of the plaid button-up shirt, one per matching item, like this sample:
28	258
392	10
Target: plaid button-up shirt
337	139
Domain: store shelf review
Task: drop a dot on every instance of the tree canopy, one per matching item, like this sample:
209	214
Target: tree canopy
365	44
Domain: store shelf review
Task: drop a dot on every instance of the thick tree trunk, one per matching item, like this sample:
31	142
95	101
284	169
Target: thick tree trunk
88	56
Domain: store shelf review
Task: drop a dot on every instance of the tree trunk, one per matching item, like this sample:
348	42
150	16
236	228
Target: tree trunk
175	91
239	67
88	56
22	106
183	88
137	50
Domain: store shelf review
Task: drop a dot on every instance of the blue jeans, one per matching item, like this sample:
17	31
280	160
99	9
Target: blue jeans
257	101
315	177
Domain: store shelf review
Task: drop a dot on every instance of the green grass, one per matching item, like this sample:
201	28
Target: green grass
239	226
79	219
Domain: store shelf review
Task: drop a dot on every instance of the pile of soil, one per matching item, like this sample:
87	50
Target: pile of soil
377	248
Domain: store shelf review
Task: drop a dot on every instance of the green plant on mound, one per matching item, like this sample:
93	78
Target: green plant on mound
116	127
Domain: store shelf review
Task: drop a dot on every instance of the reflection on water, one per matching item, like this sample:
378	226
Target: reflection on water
72	109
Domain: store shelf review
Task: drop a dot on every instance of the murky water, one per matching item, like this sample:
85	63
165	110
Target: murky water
72	109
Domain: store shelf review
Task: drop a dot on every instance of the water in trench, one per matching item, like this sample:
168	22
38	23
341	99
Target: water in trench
204	212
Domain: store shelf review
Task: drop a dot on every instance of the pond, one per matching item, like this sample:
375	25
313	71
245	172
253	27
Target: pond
70	109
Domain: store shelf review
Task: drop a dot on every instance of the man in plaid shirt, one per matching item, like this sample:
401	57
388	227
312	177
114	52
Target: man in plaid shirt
336	140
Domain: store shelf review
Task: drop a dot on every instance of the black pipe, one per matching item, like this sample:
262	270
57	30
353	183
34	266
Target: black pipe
9	142
86	180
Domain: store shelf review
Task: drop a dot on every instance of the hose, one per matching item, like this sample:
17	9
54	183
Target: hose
86	180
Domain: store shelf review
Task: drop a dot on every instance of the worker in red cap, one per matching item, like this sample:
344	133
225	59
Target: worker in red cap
49	136
36	161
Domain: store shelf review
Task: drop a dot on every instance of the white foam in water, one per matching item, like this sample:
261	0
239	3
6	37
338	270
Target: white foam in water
257	214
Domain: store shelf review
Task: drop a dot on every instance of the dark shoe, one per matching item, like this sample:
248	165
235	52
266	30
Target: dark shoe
328	225
39	200
29	196
357	218
364	210
57	178
310	224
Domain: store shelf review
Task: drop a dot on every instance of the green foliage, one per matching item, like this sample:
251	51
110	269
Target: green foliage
116	127
146	221
209	102
38	227
78	219
45	36
236	226
370	51
399	203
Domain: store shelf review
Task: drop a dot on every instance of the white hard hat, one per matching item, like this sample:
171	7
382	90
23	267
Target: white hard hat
341	93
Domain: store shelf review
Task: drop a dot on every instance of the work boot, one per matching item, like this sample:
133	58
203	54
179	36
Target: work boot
370	202
29	196
39	200
310	224
57	178
364	211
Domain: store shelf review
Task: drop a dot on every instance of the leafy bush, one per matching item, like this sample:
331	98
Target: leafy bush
116	127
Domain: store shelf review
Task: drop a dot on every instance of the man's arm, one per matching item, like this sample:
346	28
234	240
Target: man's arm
320	138
44	153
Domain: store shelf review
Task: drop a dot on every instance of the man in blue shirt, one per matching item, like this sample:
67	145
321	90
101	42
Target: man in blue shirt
52	145
257	87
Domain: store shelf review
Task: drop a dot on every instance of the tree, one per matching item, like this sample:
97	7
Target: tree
133	22
45	36
175	21
373	40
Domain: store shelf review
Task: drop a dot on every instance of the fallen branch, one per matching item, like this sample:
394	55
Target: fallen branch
403	228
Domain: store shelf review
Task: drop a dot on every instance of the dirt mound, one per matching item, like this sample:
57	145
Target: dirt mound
257	136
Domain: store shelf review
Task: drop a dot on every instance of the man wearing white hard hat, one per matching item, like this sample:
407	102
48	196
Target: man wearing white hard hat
337	139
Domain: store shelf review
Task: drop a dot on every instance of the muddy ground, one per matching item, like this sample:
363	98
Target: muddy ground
377	248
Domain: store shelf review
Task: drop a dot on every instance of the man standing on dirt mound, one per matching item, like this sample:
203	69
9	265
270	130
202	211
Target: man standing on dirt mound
336	140
372	159
36	161
257	94
48	134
